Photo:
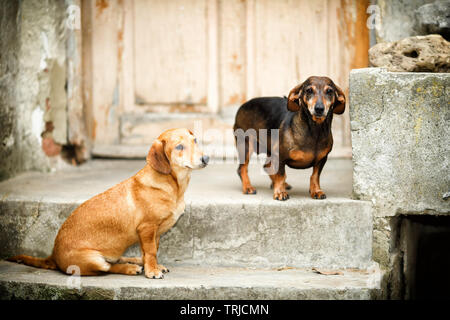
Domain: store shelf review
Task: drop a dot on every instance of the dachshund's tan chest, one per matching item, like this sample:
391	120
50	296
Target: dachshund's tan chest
172	218
305	159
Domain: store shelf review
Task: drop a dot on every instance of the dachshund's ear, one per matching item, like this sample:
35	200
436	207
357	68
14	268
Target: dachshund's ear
157	158
339	105
293	98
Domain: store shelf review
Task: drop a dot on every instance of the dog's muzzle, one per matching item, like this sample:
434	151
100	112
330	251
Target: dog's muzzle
319	109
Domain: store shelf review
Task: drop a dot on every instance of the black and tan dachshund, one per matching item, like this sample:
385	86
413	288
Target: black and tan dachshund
304	136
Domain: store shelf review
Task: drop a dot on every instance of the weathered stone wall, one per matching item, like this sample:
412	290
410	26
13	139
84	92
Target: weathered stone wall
398	19
433	18
9	155
400	124
41	100
33	85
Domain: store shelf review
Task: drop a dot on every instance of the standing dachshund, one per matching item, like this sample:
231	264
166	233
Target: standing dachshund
305	139
138	209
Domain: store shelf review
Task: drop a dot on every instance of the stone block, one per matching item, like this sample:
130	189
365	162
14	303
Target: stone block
414	54
400	124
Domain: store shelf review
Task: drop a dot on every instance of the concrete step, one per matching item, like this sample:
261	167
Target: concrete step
220	227
196	283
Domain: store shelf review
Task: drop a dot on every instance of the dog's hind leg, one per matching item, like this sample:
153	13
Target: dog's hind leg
132	260
126	268
245	151
87	262
83	262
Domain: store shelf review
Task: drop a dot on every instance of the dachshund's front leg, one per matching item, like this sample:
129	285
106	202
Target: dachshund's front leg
149	246
279	184
314	186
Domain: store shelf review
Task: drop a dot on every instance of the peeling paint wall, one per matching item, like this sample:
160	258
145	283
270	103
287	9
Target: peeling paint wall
33	86
9	155
41	80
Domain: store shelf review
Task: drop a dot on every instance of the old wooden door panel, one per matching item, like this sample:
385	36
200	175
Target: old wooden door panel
102	26
290	44
195	56
170	59
232	52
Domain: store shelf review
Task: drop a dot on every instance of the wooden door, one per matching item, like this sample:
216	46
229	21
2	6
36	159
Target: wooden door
150	65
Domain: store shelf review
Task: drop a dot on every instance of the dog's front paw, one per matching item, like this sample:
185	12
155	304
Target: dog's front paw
318	194
154	274
162	268
248	190
280	195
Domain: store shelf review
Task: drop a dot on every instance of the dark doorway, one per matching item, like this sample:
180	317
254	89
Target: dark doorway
427	272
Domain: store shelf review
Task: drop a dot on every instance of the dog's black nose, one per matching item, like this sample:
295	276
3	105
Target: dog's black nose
318	109
205	160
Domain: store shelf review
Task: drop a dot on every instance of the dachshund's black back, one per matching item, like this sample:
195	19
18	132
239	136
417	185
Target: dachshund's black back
262	113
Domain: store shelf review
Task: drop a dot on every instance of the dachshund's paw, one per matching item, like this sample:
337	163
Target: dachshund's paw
248	190
132	269
318	194
154	274
287	186
162	268
280	195
138	269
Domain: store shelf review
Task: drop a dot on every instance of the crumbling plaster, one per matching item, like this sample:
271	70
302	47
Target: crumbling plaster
33	86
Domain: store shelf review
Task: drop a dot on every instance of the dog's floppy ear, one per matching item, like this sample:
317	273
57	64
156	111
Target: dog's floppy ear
293	97
339	105
157	158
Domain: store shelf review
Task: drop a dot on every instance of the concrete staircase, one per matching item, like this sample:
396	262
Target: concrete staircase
226	245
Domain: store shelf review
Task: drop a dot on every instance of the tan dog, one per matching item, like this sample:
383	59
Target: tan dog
141	208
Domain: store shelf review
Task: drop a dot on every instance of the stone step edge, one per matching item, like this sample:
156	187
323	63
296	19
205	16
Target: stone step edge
22	282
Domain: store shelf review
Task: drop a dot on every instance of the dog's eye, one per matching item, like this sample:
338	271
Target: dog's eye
329	92
179	147
309	91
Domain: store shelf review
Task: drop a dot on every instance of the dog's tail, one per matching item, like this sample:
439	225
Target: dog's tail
45	263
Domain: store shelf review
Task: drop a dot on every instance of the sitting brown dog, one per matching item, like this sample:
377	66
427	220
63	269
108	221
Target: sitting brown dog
141	208
304	136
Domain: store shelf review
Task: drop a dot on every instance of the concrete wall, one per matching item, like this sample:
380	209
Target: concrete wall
9	155
400	124
398	19
33	105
